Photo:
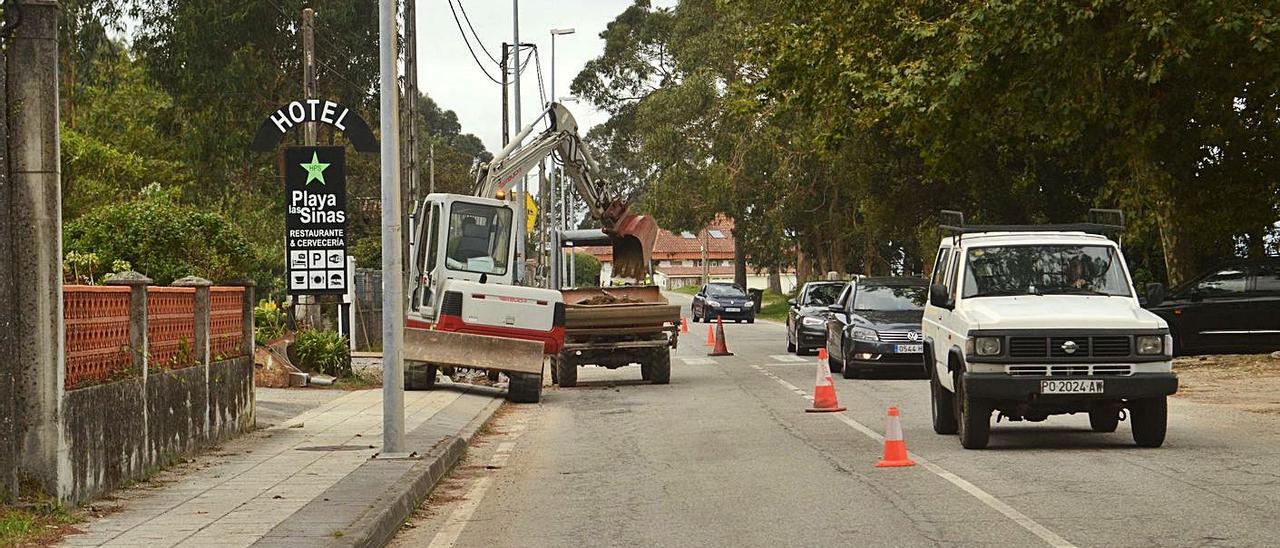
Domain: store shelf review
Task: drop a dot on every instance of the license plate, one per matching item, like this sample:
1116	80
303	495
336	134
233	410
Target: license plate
733	310
1071	387
909	348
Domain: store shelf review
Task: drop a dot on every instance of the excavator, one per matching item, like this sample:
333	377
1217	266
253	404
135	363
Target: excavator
466	309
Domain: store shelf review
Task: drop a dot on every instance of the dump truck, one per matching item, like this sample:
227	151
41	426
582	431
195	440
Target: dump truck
614	327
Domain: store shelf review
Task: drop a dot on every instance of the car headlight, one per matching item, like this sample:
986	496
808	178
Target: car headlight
986	346
864	333
1150	345
711	303
810	320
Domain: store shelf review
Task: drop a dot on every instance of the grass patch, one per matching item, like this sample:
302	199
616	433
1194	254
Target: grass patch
688	289
773	306
34	525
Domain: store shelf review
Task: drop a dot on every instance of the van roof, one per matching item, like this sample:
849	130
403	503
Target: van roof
1025	238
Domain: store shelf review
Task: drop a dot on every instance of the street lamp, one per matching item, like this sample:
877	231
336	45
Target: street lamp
562	271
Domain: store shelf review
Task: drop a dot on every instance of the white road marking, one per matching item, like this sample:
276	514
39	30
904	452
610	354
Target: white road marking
788	358
698	361
1051	538
457	521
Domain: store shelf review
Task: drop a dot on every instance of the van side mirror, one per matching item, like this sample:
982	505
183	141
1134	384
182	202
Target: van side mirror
1155	294
939	296
835	308
791	302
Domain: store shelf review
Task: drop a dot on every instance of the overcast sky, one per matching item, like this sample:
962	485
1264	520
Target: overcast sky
449	75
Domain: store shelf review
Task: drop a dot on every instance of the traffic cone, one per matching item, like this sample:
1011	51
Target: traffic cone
895	448
684	324
824	392
720	348
822	353
711	335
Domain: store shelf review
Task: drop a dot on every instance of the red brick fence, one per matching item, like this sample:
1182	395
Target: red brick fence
151	373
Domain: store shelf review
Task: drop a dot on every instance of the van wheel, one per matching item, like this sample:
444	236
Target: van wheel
524	387
974	416
567	369
1104	419
1150	419
944	406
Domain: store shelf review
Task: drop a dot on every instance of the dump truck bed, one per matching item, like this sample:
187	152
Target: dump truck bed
617	310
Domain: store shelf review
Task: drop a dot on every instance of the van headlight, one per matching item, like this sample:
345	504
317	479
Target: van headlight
985	346
812	321
1150	345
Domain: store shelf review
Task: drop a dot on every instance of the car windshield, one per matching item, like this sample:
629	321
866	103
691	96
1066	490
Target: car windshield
724	291
823	295
889	297
1045	270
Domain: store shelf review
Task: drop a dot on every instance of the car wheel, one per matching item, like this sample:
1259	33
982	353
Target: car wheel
791	345
835	365
975	417
751	320
1104	419
943	404
851	372
1149	419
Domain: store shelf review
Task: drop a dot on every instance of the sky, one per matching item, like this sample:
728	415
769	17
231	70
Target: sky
448	74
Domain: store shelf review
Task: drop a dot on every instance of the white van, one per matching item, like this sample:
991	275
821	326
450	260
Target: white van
1032	321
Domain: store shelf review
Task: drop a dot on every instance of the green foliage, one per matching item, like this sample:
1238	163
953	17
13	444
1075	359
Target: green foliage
268	322
368	251
586	270
323	351
161	238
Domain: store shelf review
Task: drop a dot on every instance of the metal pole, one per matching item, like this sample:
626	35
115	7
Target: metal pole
506	125
520	185
351	303
392	281
409	186
309	69
432	182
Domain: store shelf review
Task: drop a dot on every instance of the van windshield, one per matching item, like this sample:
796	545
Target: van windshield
1045	270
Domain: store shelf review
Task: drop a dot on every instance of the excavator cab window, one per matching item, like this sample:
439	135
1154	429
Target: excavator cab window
479	238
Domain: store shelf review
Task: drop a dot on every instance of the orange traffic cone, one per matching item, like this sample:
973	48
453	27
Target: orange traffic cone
824	392
720	348
822	353
711	336
895	448
684	324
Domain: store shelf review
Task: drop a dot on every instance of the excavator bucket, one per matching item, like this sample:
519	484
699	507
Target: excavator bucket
633	239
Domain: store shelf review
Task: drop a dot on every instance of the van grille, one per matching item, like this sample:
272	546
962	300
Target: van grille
1110	369
1111	346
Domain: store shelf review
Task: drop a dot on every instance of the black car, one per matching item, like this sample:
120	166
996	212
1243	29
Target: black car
725	301
877	326
807	318
1231	309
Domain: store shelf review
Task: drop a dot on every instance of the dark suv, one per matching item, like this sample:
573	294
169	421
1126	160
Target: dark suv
877	326
1231	309
725	301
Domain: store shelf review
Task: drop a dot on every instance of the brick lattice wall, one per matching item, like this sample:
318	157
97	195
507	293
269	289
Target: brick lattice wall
171	327
226	322
97	334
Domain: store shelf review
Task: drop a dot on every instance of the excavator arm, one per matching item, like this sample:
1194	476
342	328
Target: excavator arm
633	235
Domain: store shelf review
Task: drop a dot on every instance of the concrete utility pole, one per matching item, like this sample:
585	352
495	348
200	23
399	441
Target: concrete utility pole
309	86
8	314
409	183
392	280
520	185
31	206
432	162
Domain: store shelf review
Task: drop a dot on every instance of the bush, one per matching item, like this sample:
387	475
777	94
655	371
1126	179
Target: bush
586	270
323	351
268	322
161	238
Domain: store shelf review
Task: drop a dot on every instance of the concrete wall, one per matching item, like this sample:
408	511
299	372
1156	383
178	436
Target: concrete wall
119	432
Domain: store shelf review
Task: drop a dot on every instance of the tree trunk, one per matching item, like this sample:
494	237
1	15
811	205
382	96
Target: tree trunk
775	280
739	265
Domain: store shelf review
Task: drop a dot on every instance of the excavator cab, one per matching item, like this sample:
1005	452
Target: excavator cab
463	274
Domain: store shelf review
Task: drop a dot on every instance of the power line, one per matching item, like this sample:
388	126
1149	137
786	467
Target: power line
468	43
467	18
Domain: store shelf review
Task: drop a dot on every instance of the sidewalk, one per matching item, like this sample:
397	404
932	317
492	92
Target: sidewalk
256	484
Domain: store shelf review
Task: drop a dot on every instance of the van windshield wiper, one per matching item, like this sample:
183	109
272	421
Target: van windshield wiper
1003	293
1077	291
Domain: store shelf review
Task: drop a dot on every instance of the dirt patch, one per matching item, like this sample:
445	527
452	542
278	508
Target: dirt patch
609	299
1250	382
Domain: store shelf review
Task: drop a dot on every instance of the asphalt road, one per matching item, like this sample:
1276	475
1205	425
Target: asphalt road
726	456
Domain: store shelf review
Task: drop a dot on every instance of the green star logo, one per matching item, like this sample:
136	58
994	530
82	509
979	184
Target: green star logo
315	170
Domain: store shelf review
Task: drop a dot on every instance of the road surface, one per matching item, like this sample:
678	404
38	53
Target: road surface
725	456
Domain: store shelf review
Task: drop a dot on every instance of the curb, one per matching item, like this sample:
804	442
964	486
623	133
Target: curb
381	524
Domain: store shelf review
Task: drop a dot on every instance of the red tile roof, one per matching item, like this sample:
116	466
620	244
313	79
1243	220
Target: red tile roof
670	245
